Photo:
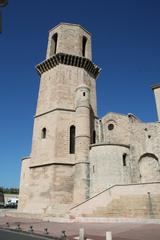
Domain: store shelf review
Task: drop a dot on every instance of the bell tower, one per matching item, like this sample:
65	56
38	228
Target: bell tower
70	39
62	119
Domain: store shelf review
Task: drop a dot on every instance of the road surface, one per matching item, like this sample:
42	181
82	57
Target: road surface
9	235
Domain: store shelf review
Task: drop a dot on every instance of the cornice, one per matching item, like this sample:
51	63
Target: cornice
55	109
155	86
72	60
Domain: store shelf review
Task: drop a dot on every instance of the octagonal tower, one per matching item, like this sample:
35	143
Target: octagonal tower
48	175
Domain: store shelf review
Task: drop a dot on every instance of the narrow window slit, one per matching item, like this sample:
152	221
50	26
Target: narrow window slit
124	159
84	41
43	133
55	37
72	139
94	136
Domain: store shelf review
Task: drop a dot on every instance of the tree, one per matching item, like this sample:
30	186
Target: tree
3	3
9	190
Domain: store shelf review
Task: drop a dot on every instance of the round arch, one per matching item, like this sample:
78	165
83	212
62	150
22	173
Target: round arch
149	168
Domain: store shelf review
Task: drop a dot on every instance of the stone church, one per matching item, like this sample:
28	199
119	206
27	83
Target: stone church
82	165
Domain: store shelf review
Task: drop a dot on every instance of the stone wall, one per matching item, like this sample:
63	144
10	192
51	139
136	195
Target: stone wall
109	165
24	183
49	187
116	128
142	140
58	85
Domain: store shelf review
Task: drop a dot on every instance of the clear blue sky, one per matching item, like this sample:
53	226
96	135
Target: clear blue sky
126	45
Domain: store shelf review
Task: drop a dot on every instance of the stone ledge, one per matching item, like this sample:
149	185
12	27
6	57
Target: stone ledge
115	220
68	219
109	144
72	60
50	164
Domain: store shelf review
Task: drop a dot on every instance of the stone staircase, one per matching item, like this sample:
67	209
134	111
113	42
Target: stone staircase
122	201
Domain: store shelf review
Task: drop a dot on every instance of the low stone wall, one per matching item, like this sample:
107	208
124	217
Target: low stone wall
126	201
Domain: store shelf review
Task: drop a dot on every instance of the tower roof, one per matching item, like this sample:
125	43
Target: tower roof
71	24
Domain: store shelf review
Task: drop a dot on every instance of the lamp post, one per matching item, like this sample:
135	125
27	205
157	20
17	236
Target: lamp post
3	3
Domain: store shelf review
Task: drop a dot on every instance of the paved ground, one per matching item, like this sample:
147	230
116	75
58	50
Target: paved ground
7	235
95	231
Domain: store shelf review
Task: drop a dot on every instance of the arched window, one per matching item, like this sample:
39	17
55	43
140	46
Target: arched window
43	134
53	49
84	41
72	139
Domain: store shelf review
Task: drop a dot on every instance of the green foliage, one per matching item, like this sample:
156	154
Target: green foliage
9	190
